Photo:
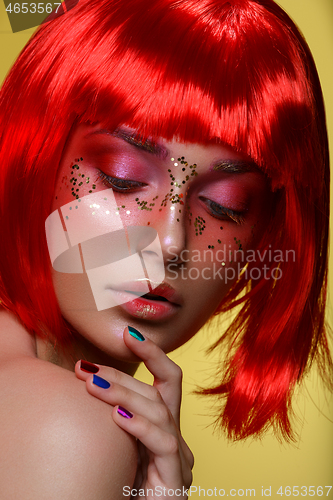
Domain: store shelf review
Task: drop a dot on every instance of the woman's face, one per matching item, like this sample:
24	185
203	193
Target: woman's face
156	229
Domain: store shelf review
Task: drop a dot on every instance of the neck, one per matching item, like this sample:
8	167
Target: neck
16	340
67	357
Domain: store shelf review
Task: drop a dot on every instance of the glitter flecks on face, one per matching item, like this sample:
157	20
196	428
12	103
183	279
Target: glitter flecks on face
79	179
199	225
143	205
238	242
171	196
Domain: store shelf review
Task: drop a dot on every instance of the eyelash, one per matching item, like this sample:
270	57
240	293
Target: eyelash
120	185
223	213
128	186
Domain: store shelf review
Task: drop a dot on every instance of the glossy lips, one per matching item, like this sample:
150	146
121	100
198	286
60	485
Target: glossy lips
158	304
167	292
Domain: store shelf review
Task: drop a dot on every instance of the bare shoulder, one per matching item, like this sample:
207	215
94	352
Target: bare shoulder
57	440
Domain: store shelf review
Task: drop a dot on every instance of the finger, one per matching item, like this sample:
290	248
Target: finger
187	453
156	412
164	446
143	461
84	370
167	375
115	394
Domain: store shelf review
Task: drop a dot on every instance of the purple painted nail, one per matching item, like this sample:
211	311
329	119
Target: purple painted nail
124	413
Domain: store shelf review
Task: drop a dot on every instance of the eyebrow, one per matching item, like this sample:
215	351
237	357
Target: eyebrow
138	141
144	144
233	166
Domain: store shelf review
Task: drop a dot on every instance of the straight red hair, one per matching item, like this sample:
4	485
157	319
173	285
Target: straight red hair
237	72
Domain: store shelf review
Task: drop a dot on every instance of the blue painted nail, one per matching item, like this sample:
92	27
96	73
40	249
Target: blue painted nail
135	333
101	382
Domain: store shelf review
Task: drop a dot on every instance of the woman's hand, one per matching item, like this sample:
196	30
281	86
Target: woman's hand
151	414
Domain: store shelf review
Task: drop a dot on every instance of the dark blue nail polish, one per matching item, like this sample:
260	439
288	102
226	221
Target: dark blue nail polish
135	333
101	382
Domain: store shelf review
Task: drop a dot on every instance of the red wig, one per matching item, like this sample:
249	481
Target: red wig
231	71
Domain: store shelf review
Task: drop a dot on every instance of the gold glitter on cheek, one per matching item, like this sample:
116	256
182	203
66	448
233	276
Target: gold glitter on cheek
78	179
238	242
199	225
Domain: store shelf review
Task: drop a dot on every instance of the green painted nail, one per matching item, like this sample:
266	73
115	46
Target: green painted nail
135	333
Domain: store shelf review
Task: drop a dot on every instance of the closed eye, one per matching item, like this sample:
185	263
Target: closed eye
120	185
219	212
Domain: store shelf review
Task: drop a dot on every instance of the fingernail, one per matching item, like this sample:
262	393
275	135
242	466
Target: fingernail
124	413
135	333
101	382
86	366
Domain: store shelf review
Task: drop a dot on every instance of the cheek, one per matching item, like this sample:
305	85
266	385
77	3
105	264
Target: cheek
218	255
211	235
73	293
75	181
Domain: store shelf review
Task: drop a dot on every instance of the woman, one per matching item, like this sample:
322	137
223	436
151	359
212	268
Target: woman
109	108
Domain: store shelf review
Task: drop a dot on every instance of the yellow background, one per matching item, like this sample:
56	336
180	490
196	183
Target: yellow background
252	464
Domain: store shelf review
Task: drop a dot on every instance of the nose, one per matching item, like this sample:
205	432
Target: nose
170	226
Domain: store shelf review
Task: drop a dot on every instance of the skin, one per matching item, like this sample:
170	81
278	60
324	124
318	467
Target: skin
78	451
